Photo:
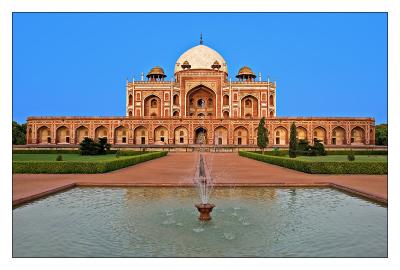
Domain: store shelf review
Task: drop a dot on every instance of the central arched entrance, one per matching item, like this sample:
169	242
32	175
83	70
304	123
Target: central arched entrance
200	136
201	102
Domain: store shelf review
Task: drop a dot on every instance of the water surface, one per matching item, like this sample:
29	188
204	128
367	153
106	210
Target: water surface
162	222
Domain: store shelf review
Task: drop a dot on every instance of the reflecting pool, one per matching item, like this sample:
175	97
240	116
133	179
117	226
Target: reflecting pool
163	222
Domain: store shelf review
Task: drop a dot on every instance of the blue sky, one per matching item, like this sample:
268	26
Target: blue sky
76	64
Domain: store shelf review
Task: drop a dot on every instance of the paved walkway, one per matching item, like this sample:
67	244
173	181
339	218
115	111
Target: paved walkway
178	169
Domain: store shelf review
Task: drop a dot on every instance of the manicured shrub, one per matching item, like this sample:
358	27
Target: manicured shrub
85	167
59	158
351	156
320	167
276	151
292	141
262	135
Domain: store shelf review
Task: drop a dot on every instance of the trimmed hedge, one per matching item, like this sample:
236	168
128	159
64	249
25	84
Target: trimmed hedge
132	153
358	152
44	151
282	153
63	151
61	167
318	167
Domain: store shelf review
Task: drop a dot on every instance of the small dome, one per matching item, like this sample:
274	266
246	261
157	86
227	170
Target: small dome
156	71
216	65
186	65
245	71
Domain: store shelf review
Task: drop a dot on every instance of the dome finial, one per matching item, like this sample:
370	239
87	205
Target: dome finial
201	38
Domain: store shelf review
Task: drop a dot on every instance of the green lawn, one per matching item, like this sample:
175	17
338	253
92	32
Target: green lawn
66	157
332	158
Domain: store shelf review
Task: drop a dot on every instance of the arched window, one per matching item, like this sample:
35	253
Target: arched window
235	96
143	133
271	114
200	115
154	103
248	115
176	113
278	133
209	114
162	133
200	103
176	100
130	113
153	114
271	100
247	103
226	100
239	133
181	133
264	97
226	114
138	96
130	100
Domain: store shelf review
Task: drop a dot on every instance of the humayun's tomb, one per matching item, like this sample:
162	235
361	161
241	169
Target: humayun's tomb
200	105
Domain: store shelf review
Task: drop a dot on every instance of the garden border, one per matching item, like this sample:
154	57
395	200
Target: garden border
320	167
82	167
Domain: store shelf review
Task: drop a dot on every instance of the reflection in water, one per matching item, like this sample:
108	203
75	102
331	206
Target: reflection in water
162	222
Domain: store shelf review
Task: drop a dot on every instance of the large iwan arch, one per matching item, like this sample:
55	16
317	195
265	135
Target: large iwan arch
43	135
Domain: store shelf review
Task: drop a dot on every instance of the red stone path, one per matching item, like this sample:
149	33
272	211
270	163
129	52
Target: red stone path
178	169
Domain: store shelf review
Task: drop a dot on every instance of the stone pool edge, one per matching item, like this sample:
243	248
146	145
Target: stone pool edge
356	192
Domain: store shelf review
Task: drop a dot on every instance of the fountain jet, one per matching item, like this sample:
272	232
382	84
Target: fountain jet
204	186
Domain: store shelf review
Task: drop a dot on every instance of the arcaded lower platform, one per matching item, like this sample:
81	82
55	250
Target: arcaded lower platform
178	169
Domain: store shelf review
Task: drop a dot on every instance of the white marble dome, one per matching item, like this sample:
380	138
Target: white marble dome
201	57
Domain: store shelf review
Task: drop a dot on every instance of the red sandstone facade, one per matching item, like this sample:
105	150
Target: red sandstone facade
200	105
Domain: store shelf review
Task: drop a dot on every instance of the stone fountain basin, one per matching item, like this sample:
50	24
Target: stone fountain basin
163	222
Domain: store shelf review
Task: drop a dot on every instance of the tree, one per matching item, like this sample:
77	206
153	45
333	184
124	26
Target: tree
319	147
381	134
18	133
262	135
104	146
89	147
292	141
303	147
